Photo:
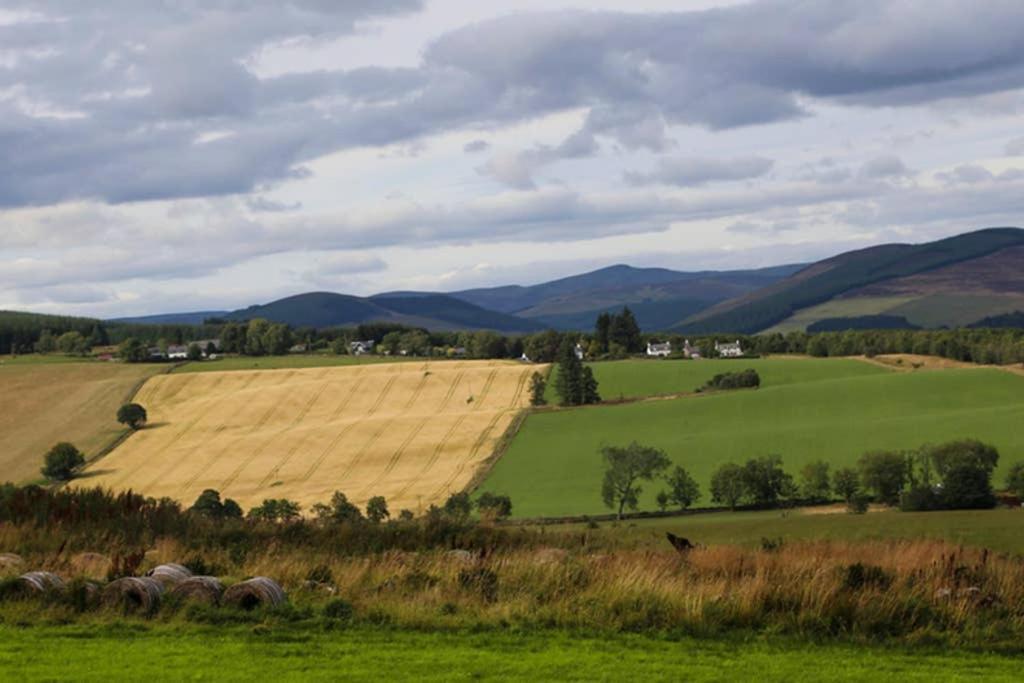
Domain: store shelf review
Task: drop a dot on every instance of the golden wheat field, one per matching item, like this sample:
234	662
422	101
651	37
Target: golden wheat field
46	403
411	432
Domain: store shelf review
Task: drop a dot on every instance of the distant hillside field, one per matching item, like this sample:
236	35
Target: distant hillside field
412	432
554	467
633	378
47	402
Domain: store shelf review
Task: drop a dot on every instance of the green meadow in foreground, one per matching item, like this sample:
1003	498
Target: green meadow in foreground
653	377
132	651
553	466
998	530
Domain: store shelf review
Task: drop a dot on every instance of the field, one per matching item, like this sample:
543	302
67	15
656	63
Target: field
313	360
553	467
412	432
839	308
997	530
49	399
635	378
174	653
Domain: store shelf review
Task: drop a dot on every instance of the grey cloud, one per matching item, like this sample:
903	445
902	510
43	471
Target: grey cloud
690	172
476	146
1015	148
887	166
146	80
967	174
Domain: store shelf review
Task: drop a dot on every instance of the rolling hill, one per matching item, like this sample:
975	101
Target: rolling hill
658	297
950	282
432	311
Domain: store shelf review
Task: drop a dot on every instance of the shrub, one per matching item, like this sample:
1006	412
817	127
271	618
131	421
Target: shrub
1015	480
62	462
377	509
339	610
494	505
747	379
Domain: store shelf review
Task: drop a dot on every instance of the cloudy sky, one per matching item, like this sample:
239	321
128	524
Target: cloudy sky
189	154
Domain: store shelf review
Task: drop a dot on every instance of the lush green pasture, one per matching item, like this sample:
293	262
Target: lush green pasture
553	466
134	651
315	360
652	377
998	530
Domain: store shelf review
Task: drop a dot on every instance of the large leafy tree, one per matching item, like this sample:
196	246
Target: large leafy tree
132	414
625	468
728	485
62	462
683	490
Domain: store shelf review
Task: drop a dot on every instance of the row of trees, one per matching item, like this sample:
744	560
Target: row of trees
953	475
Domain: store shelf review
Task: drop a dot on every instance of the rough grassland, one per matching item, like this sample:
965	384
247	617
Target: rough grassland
553	467
232	653
653	377
47	402
412	432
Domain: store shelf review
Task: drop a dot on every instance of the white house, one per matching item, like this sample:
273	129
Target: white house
733	350
358	348
690	351
177	352
660	350
578	351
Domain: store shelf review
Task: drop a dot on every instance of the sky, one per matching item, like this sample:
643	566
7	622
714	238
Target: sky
201	155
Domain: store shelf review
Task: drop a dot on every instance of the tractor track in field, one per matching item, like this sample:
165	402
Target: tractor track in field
298	443
474	450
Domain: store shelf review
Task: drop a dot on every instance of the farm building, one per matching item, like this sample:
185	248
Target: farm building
358	348
659	349
177	352
729	350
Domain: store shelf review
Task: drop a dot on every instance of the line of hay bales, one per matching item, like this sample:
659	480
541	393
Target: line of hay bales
141	594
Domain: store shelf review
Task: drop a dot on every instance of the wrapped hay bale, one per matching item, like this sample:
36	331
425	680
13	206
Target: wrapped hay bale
35	584
10	563
170	574
91	565
256	592
204	589
134	594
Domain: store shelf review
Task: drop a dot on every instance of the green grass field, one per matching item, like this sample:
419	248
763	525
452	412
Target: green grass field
313	360
653	377
134	651
553	466
997	530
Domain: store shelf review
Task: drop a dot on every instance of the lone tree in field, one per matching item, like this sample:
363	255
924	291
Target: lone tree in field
132	414
537	387
62	462
728	485
626	467
683	490
377	509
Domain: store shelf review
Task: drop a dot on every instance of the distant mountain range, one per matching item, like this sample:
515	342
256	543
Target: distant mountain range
952	282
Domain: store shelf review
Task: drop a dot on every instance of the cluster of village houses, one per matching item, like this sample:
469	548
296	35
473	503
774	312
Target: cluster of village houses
211	347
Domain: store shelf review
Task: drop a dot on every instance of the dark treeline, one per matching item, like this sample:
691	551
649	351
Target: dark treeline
614	336
85	519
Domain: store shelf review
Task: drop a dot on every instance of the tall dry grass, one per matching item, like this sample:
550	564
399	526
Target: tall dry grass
911	591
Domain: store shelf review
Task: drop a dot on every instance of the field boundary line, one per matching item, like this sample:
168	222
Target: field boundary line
500	449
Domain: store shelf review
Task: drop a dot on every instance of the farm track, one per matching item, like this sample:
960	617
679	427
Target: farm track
406	431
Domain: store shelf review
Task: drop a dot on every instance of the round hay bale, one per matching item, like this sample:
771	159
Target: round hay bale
204	589
134	594
40	583
170	574
256	592
10	563
91	565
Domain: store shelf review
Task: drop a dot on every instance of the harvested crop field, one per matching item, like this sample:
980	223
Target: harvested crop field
411	432
60	401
